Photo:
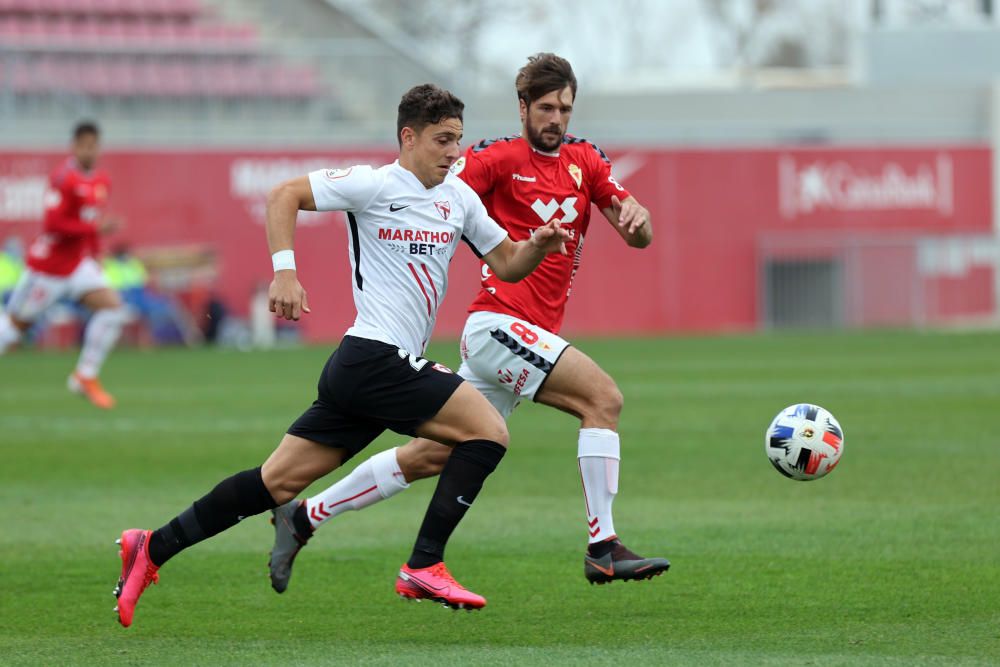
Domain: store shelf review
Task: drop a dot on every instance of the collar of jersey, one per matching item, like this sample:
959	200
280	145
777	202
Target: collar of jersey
556	154
413	177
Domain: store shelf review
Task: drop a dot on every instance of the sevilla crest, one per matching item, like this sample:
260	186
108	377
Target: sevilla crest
444	208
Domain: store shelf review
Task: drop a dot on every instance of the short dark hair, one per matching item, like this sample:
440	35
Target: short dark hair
425	105
86	127
544	73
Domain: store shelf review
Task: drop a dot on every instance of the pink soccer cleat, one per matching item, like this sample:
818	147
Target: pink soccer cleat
436	583
138	572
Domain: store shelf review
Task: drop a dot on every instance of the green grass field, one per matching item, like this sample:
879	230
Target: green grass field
894	559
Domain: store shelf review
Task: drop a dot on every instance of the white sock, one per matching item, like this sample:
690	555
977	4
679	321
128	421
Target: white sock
376	479
598	455
99	337
9	334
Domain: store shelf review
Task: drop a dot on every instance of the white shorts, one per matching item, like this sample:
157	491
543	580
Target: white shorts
507	359
36	292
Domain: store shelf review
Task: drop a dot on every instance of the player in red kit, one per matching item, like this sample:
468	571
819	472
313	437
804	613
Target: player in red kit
61	263
510	347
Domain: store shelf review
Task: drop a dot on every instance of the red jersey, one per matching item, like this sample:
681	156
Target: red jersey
74	203
523	189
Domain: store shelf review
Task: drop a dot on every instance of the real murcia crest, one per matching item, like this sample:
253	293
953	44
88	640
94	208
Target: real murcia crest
576	173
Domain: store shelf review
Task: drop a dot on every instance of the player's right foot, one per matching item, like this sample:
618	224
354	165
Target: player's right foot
138	572
91	389
436	583
287	544
621	564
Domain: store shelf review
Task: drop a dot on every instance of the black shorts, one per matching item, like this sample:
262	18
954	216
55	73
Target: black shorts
367	387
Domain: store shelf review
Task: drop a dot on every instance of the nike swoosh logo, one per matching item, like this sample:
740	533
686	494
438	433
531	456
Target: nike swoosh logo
461	501
608	571
397	207
426	586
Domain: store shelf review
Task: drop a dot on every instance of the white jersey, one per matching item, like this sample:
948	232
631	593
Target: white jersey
401	238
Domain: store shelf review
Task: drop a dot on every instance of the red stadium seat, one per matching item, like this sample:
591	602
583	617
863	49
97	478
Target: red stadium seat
165	34
23	78
176	80
140	48
10	32
96	78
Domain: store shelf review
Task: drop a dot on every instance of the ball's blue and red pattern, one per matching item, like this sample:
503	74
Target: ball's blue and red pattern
804	442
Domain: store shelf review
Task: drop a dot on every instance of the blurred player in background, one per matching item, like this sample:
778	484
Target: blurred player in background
406	220
61	264
510	347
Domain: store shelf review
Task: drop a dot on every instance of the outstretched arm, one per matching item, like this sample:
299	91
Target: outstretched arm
631	220
511	262
287	297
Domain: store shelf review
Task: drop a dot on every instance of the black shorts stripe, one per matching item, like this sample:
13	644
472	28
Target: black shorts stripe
356	242
533	358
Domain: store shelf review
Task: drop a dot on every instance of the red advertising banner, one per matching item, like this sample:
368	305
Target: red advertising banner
710	208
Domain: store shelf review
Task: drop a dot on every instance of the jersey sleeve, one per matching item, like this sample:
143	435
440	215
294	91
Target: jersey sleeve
347	189
603	185
476	168
480	231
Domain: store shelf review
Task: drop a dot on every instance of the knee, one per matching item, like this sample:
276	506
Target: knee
493	429
491	426
498	432
605	404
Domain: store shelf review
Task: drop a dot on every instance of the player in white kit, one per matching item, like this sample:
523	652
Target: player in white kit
511	348
405	221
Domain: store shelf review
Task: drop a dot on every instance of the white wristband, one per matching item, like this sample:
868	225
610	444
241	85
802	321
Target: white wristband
283	260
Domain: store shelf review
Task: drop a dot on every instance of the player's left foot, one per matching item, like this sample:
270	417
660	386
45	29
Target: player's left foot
138	572
621	564
287	544
436	583
91	389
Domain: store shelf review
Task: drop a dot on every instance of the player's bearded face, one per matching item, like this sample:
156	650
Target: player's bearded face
547	118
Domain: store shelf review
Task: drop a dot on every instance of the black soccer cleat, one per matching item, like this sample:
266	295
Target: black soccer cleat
287	544
620	564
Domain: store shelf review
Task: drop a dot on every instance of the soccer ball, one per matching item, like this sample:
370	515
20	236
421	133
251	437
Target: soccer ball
804	442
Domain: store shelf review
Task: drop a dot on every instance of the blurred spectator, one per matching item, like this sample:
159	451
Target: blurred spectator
215	319
11	266
167	323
